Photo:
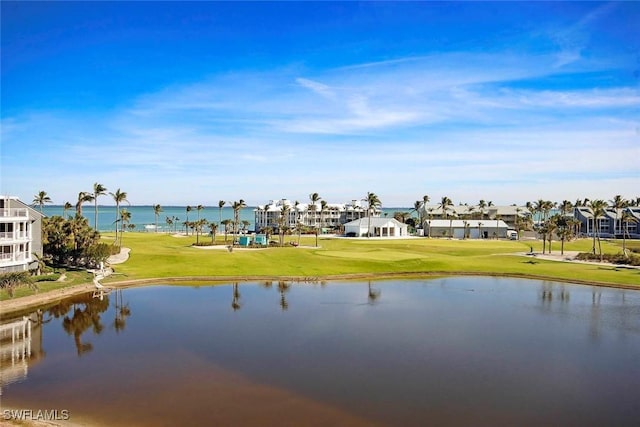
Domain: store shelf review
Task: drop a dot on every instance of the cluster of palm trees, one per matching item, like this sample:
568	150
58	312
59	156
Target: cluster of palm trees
123	217
199	224
566	227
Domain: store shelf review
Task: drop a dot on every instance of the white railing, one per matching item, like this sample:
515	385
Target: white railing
15	212
13	235
4	258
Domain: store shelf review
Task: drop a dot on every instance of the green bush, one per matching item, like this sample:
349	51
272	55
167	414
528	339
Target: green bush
47	277
619	258
13	280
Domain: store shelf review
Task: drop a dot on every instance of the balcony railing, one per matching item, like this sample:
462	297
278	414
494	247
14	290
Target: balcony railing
13	235
15	212
15	257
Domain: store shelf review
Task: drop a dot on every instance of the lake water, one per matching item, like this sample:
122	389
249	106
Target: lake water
447	351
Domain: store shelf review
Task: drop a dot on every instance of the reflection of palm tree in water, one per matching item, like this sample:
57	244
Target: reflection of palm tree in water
374	294
235	304
84	318
283	287
122	311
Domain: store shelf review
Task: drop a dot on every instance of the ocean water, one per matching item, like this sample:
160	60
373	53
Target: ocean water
143	215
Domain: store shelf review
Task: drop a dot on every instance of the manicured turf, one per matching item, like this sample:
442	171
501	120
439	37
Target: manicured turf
164	256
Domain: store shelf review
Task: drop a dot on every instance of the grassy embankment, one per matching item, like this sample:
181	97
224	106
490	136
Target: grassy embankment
164	256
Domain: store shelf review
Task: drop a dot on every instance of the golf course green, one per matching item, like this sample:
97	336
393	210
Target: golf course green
165	256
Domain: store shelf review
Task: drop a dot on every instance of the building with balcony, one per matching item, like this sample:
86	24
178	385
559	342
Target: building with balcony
509	214
611	224
20	235
330	217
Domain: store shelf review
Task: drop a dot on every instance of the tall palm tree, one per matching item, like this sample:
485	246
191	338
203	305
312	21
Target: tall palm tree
617	203
188	209
565	207
445	202
597	208
373	203
237	207
282	221
323	208
98	190
198	209
213	227
169	221
417	205
118	197
125	218
481	205
226	223
314	198
626	218
83	197
157	209
221	204
67	206
40	199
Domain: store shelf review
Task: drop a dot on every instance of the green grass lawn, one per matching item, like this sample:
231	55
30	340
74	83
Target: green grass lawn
164	256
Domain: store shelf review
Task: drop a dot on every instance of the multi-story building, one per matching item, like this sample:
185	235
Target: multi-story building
20	235
508	214
331	216
611	224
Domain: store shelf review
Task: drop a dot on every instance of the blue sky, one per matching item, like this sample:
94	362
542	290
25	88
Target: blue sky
191	103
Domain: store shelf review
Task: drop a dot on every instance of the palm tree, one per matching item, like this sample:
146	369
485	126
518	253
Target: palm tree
198	209
445	202
565	207
597	208
169	221
83	197
221	204
226	223
119	197
481	205
237	207
125	218
282	221
188	209
314	198
157	209
373	202
213	227
40	199
626	219
323	208
65	208
98	190
617	203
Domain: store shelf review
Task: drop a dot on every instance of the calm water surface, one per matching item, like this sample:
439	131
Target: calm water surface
452	351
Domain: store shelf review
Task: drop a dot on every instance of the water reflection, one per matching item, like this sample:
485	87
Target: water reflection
483	344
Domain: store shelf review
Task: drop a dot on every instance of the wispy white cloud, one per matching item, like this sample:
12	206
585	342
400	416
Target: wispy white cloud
440	124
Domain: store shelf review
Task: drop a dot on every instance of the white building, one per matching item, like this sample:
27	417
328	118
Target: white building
331	216
508	214
376	227
469	228
20	235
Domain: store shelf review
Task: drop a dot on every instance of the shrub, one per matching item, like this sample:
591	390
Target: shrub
13	280
631	259
47	277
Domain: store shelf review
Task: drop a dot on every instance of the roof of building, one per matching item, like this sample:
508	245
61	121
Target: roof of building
474	209
375	222
459	223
